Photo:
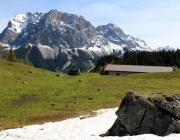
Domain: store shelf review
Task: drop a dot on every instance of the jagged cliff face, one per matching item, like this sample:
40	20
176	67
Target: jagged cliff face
56	33
53	29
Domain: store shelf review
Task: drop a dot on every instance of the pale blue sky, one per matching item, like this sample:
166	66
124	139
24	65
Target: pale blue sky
157	22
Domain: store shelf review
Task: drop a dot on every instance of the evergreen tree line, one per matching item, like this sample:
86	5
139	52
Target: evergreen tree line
156	58
107	59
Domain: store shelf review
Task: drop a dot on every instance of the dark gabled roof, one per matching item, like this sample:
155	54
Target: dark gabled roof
136	68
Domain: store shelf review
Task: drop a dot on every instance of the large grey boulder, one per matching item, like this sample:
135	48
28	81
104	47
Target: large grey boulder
157	114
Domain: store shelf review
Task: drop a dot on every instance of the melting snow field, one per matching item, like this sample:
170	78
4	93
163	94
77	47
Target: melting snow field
76	129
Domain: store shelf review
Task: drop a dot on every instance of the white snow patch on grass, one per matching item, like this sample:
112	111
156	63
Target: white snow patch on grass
76	129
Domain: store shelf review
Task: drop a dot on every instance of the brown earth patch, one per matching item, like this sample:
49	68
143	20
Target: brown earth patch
24	99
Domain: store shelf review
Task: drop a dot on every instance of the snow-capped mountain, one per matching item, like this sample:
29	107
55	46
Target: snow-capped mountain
167	48
56	35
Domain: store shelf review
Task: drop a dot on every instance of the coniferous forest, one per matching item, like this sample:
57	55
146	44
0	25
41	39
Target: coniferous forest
156	58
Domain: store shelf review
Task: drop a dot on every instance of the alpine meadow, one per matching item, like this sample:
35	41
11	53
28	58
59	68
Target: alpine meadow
41	96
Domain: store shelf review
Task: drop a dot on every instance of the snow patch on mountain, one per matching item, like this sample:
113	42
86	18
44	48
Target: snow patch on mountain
63	50
75	52
142	46
90	52
20	21
56	51
46	51
141	43
116	48
66	65
95	48
6	45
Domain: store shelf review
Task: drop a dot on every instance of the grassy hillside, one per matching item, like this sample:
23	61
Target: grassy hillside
27	98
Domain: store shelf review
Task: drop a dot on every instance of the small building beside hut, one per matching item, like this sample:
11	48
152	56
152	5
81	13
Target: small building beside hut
123	70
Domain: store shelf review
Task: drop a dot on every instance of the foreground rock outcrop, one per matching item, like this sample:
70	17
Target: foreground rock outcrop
157	114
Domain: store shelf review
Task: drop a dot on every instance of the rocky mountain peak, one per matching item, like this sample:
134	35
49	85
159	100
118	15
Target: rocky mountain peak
113	26
167	48
55	32
56	29
53	11
106	28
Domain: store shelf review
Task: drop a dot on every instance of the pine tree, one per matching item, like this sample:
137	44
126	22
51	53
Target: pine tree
11	56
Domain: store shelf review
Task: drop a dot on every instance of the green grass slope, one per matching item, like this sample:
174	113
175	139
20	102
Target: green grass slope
27	98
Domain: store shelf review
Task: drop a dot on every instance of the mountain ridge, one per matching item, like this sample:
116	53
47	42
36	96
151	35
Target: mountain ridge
56	33
167	48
